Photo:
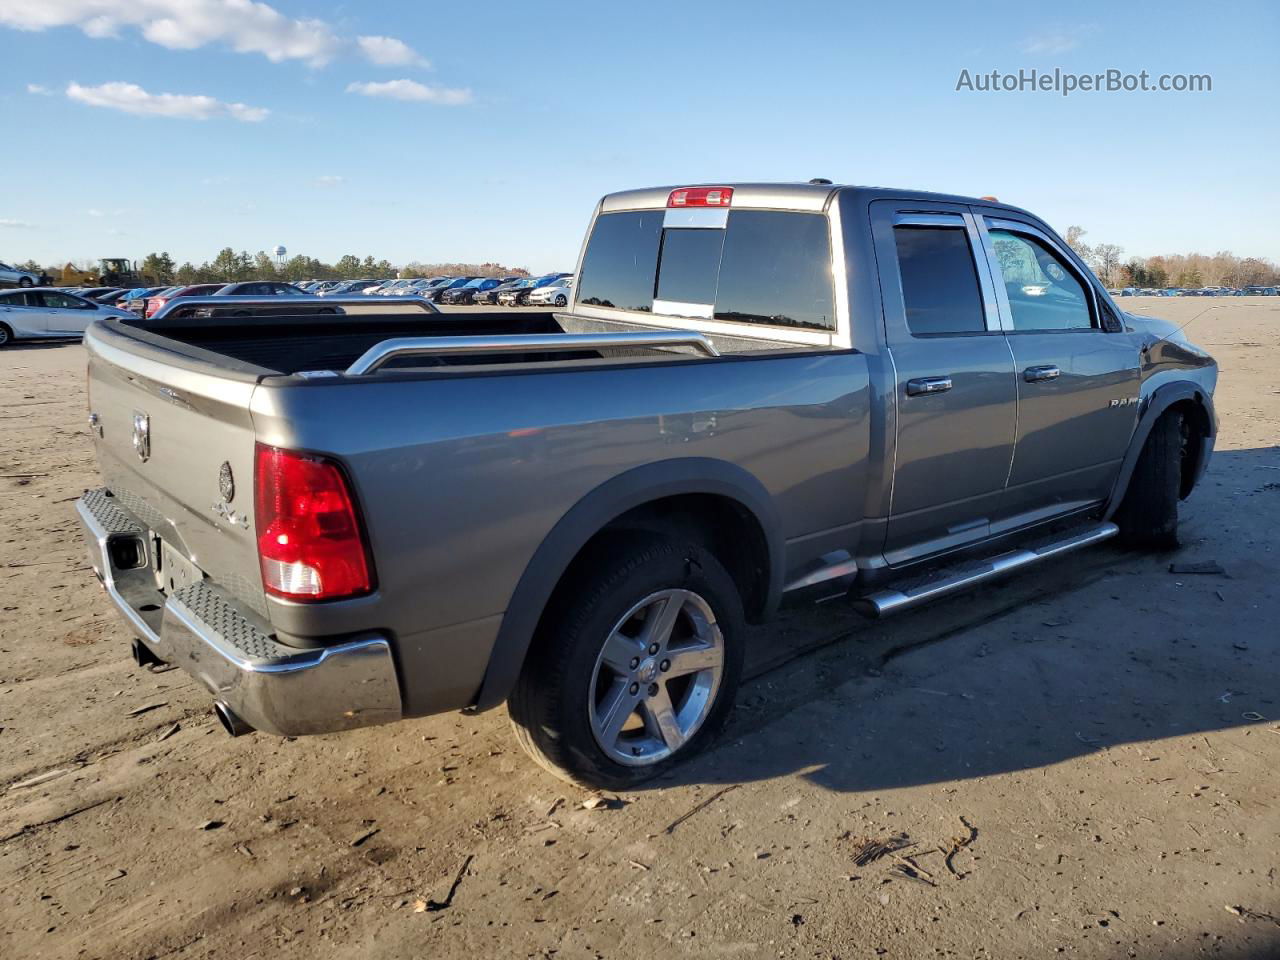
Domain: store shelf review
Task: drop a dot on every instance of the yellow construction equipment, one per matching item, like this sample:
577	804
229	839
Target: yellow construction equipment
111	272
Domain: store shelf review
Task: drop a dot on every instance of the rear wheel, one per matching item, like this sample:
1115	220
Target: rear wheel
635	667
1148	515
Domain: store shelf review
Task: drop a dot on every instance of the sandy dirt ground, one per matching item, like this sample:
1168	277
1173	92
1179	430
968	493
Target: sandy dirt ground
1082	761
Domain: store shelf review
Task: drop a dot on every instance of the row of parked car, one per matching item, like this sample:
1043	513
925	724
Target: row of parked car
1250	291
31	312
550	289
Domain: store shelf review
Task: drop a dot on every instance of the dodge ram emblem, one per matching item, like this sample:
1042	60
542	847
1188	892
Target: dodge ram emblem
142	436
226	482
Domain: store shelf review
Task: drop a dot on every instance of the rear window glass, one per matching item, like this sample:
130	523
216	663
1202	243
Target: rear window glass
621	260
776	269
690	265
939	281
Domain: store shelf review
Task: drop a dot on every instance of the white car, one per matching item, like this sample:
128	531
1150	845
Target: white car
36	312
13	277
556	293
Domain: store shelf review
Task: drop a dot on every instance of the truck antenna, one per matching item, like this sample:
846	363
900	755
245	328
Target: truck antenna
1174	333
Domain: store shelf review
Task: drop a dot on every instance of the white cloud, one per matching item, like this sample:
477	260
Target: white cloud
1056	40
39	89
329	180
95	213
131	98
244	25
15	224
412	90
389	52
247	26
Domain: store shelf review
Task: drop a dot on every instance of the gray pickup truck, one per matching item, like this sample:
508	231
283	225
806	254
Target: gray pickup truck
758	391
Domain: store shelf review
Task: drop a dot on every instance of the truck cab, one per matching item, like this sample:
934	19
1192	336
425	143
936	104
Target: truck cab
1007	386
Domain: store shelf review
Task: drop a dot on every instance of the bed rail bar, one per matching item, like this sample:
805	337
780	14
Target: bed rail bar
377	355
184	304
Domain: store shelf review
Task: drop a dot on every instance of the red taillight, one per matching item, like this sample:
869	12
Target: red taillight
701	197
155	304
310	542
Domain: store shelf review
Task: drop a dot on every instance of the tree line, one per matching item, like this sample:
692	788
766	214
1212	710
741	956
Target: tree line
229	266
1188	270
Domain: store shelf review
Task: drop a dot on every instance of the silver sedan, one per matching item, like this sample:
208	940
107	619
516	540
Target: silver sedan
34	312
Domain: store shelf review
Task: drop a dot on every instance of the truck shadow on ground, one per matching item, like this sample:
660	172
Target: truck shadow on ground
1096	650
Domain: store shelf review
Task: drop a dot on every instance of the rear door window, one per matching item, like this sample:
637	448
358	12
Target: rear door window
59	301
939	280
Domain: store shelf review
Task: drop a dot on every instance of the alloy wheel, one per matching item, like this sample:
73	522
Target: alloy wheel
656	677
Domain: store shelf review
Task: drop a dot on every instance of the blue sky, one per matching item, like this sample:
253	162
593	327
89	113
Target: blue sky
520	117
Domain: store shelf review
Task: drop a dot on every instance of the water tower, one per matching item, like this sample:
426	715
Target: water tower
279	251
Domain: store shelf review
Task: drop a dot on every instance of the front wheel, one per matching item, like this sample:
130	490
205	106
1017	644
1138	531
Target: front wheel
635	667
561	300
1148	515
6	335
24	282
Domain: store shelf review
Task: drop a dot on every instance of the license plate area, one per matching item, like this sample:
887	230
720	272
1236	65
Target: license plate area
174	571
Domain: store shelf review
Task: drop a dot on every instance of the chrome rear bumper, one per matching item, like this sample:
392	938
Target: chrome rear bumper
273	687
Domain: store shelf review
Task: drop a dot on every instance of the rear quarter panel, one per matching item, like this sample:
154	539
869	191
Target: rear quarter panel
461	476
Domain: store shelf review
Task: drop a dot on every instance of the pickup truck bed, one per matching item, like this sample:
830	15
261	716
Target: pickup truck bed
293	344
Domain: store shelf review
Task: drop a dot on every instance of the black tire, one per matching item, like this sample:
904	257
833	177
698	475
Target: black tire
561	300
25	282
1148	515
6	335
551	704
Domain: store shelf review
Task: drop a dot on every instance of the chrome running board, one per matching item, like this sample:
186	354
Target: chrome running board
882	603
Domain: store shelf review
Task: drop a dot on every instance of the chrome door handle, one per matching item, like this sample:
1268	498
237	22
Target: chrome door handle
1041	374
922	385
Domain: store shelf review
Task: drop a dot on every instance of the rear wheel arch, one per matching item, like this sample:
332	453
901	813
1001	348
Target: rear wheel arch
655	498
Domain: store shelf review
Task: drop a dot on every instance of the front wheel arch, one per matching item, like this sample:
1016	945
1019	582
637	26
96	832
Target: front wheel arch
1196	405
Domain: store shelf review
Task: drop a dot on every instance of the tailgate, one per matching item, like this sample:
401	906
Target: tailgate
175	442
